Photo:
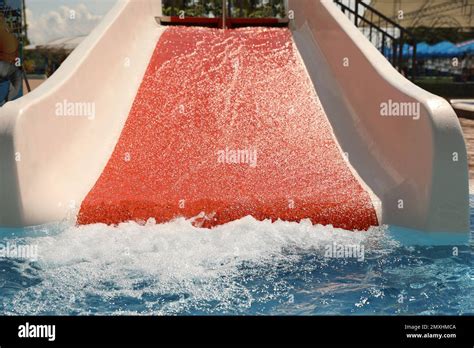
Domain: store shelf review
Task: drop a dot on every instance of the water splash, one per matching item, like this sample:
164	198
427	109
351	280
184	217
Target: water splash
244	267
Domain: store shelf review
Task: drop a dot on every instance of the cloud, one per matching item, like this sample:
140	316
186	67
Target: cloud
62	22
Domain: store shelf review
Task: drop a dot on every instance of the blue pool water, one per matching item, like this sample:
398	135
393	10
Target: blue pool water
245	267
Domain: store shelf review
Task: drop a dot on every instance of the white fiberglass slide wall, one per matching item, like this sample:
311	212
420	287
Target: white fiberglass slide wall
49	161
416	164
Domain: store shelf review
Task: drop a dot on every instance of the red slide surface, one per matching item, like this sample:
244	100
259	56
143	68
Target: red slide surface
227	124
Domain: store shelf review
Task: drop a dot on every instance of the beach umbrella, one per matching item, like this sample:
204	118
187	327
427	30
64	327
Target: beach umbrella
387	52
466	47
407	50
441	49
421	50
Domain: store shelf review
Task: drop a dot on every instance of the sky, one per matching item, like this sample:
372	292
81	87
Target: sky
50	19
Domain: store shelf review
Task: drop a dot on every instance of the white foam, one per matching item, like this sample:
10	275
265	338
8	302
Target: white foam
133	260
179	249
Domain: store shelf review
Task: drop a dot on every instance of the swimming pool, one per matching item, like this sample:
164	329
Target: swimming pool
244	267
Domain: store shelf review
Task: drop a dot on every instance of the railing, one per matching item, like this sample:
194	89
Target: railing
234	8
398	45
224	13
193	9
270	14
261	9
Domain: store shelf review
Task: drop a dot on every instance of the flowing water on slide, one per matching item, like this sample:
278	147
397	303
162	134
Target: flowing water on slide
228	124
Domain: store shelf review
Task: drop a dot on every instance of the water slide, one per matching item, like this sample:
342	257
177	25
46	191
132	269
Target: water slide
306	122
